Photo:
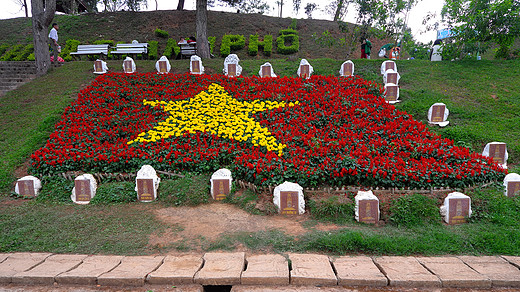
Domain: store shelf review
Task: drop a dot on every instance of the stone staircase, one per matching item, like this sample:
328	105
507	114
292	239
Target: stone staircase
14	74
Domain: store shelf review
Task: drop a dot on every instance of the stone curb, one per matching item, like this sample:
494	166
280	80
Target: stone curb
241	270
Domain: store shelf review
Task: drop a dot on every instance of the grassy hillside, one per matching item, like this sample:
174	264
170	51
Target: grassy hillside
127	26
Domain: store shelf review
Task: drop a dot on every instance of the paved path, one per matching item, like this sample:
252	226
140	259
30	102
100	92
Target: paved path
291	272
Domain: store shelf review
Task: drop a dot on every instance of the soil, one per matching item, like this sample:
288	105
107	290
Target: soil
211	221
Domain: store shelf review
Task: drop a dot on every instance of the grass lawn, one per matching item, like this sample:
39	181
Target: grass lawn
483	98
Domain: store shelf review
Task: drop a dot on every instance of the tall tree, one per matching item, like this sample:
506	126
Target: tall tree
339	9
42	16
309	9
202	29
180	6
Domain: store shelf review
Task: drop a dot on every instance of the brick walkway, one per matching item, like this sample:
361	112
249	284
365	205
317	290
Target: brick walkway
193	271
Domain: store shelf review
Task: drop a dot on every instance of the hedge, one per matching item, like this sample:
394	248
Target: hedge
70	46
287	31
11	53
161	33
231	42
267	44
172	49
153	47
25	53
287	38
211	41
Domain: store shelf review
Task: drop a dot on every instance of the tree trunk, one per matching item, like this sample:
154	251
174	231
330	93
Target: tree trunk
180	6
26	8
41	19
202	31
338	10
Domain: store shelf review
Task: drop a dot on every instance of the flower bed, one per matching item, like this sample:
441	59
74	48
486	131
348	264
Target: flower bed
321	131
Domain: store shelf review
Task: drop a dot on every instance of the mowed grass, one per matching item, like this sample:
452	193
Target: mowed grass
483	99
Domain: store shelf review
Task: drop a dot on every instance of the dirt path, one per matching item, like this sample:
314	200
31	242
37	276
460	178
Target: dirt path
213	220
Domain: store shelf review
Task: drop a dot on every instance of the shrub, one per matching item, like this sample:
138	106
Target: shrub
31	57
293	23
414	210
211	41
115	192
288	31
287	38
23	54
231	42
172	49
335	209
10	54
70	46
153	48
56	189
267	44
161	33
186	191
3	49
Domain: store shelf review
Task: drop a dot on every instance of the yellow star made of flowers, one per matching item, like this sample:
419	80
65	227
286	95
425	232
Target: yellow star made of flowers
215	112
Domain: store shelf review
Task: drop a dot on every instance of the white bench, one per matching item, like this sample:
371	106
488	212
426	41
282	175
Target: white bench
188	50
91	50
136	48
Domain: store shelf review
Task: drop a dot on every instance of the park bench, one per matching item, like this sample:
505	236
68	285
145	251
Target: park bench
131	49
91	50
188	49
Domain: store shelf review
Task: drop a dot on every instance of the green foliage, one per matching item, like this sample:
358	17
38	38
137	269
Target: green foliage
11	53
414	210
161	33
115	192
172	49
254	43
24	54
249	201
3	49
211	41
293	24
335	209
288	31
71	45
55	189
492	206
231	43
153	47
187	191
283	39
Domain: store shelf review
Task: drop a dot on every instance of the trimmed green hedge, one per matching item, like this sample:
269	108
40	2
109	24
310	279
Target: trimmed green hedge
288	31
254	43
25	53
153	50
70	46
293	39
231	42
161	33
172	49
3	49
211	41
11	53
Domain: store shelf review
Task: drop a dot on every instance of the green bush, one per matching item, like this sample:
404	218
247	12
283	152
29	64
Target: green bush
335	209
211	41
293	23
172	49
153	48
115	192
161	33
10	54
414	210
3	49
24	54
231	42
187	191
282	39
31	57
288	31
71	45
267	44
55	189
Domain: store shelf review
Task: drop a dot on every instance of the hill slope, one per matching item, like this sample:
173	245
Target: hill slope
127	26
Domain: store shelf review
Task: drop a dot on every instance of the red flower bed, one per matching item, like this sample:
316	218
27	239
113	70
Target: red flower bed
337	131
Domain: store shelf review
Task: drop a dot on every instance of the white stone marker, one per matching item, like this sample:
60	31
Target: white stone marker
391	93
305	69
129	65
266	70
231	66
512	185
28	186
391	76
147	184
196	65
100	67
438	114
497	151
163	65
388	65
367	207
84	189
288	197
347	69
456	208
221	181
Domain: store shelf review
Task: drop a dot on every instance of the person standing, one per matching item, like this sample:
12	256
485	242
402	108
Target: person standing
436	52
53	38
366	47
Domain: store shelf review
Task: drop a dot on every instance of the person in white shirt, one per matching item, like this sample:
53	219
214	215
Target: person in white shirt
53	38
